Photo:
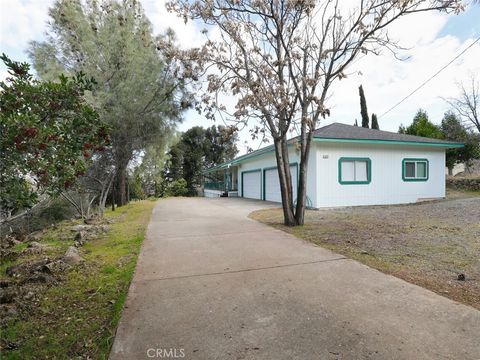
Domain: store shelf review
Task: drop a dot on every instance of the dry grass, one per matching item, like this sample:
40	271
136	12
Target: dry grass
427	244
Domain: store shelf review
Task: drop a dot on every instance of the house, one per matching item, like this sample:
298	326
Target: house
348	166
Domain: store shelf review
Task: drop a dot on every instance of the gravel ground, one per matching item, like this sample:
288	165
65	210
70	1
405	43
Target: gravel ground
429	244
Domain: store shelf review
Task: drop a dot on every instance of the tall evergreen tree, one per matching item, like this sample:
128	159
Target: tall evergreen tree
363	108
137	93
375	122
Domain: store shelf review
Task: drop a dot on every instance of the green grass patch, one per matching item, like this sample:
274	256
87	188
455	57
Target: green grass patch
78	317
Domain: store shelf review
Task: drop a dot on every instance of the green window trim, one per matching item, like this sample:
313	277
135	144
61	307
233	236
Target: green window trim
252	171
369	170
415	161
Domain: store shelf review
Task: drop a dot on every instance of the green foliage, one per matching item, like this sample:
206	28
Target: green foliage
375	122
197	150
48	134
178	188
363	108
135	187
422	126
453	129
139	92
220	144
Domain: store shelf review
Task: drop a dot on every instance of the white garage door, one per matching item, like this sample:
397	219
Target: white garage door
272	184
251	185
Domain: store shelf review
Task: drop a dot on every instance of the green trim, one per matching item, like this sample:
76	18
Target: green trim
390	142
415	160
369	170
252	171
272	168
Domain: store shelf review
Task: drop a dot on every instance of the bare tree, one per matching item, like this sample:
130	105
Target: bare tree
280	59
467	105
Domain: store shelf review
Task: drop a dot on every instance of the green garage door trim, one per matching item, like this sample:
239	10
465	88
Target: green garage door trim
273	168
252	171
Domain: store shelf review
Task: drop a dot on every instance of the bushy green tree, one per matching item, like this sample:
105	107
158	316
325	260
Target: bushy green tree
178	188
140	89
422	126
220	144
48	134
453	130
197	150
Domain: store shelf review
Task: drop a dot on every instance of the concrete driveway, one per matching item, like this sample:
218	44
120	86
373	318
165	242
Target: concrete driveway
212	284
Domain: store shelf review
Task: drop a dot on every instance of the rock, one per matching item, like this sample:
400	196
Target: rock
8	241
29	295
103	228
8	255
15	270
8	295
24	269
57	266
6	283
79	228
35	248
461	277
7	312
72	256
80	236
35	244
40	278
91	221
35	236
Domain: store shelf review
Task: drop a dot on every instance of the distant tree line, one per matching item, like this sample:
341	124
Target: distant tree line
197	149
451	128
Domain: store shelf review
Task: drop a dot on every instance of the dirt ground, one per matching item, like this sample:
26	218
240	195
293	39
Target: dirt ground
429	244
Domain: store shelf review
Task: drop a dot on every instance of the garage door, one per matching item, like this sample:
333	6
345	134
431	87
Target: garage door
272	184
251	184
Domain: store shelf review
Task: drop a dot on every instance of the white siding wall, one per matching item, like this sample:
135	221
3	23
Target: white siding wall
386	186
268	160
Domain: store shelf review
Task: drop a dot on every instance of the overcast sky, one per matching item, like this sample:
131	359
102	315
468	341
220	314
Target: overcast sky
433	40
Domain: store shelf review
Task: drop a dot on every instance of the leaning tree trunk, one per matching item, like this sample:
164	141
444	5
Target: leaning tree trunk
283	166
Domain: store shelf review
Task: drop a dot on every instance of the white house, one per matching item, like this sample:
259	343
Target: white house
348	166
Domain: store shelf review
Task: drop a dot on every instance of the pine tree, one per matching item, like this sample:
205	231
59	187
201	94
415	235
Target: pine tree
363	108
375	122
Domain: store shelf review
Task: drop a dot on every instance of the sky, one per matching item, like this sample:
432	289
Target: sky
432	40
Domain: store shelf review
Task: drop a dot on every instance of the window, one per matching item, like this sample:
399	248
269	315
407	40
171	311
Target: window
354	171
415	170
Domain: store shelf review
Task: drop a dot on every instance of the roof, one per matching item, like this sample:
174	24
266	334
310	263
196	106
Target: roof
344	132
337	132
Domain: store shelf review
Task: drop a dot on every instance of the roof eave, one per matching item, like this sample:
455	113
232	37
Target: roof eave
390	142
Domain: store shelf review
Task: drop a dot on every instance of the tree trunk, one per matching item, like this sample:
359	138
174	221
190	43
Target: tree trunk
104	194
283	166
302	178
121	186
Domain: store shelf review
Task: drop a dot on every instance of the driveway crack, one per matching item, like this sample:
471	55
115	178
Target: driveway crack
244	270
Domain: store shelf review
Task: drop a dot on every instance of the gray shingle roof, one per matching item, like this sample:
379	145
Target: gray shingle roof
338	131
349	132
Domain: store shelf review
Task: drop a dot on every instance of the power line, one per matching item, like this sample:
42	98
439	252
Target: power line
431	77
